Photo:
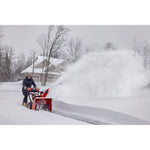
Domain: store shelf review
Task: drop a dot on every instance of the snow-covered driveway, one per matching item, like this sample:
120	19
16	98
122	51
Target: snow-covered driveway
95	115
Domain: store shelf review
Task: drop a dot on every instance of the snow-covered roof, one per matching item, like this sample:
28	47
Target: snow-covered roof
53	61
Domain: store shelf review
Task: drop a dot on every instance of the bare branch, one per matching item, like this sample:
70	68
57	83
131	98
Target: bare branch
51	43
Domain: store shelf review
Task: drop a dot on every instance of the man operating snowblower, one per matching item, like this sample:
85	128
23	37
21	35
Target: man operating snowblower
28	82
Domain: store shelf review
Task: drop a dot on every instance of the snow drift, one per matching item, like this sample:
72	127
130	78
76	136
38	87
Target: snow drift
102	74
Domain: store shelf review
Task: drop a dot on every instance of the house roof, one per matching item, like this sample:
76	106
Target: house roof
53	61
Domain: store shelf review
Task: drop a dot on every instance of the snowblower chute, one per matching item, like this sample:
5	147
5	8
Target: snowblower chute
38	99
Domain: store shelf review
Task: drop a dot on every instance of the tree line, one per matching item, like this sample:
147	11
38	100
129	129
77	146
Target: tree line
54	43
11	64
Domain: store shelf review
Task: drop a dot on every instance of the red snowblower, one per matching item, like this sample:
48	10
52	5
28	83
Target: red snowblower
38	99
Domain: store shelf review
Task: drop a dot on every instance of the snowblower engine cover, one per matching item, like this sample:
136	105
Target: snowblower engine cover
38	99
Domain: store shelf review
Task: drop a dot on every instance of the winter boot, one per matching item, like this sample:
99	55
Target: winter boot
22	103
25	104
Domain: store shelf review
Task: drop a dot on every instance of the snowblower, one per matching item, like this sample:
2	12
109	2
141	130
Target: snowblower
38	99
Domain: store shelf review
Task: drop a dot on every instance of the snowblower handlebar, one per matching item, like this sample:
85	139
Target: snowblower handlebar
37	90
33	89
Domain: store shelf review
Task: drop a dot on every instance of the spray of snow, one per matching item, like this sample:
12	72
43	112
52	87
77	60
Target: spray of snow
102	74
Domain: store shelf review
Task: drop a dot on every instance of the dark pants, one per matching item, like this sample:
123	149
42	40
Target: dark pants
25	99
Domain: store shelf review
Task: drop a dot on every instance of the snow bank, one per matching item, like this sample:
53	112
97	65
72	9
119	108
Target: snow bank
102	74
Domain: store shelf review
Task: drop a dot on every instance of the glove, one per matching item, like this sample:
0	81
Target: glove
28	89
37	89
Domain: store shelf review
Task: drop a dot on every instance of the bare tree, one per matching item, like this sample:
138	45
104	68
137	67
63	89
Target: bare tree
42	41
20	64
51	43
7	56
75	49
29	61
33	61
145	53
1	63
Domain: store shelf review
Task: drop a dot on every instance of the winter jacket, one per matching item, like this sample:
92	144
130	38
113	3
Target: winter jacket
27	83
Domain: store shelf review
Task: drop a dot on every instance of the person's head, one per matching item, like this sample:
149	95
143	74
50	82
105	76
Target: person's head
29	76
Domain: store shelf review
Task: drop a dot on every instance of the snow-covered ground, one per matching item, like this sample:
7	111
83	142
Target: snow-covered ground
13	113
101	88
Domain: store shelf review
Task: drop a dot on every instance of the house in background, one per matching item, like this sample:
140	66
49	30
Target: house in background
56	67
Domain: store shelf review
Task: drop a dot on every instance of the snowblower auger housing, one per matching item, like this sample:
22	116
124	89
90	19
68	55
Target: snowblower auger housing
38	99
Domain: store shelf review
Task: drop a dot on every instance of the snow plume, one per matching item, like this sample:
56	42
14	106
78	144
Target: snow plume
103	74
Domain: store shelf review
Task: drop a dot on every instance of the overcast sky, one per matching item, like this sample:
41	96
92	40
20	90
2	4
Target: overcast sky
23	38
